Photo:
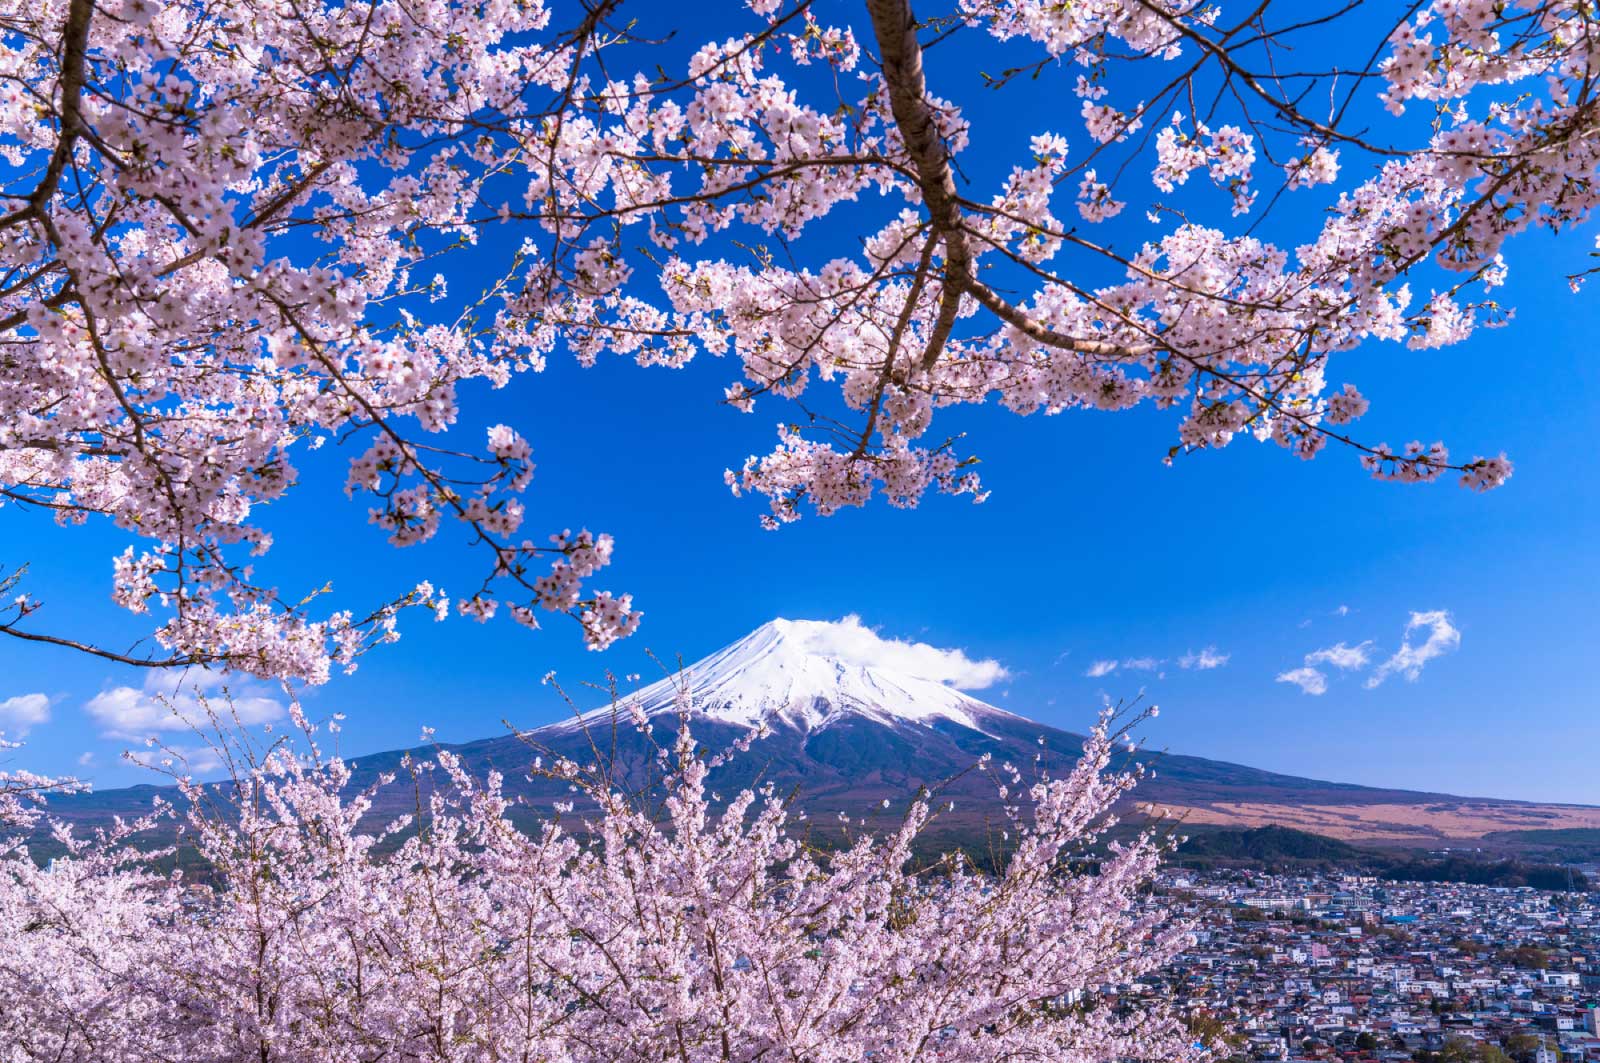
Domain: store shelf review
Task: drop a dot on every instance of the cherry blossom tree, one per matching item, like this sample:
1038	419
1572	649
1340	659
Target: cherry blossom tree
224	226
23	793
649	925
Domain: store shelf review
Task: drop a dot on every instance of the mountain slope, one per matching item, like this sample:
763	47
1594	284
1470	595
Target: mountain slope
848	734
782	673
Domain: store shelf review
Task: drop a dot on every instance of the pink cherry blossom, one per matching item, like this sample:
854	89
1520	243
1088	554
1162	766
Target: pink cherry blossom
225	223
307	926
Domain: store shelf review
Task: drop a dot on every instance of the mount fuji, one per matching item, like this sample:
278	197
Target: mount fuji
854	721
795	675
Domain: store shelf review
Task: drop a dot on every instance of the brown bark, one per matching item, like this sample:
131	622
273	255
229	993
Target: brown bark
895	28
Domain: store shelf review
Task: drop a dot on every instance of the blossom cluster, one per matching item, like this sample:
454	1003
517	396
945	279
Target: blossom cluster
222	221
625	927
179	348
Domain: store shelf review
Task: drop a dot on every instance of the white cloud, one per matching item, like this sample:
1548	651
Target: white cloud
851	640
1205	660
1343	610
1341	656
1408	660
170	700
86	760
170	681
1312	680
182	759
20	713
1309	680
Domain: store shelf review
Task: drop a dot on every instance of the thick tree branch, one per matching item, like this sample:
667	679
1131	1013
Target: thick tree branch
900	54
74	55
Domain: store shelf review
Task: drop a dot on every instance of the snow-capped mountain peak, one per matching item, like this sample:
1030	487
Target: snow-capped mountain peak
805	674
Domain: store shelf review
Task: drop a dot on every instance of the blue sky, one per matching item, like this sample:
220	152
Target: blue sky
1088	549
